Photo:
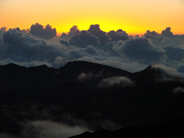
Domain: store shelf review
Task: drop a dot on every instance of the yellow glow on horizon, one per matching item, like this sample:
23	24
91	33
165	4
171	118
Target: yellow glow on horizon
133	16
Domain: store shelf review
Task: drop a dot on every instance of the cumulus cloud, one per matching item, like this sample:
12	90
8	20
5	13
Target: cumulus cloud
41	32
83	39
73	30
174	53
64	42
22	47
64	36
167	32
118	49
118	35
156	38
116	81
141	49
3	29
102	36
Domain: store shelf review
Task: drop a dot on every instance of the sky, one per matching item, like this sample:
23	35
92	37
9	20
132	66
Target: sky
133	16
100	31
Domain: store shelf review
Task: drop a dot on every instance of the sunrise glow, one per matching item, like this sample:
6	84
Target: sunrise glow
133	16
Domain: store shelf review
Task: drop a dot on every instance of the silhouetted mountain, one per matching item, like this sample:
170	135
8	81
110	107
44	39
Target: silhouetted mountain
169	130
91	95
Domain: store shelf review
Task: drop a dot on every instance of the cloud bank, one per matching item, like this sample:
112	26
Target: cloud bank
115	48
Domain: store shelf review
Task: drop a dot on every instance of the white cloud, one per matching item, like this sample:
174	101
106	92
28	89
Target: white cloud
48	129
116	81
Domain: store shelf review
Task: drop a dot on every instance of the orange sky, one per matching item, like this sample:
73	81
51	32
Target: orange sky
133	16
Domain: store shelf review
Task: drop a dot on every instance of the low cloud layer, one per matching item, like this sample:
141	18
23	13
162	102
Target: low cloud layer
142	49
114	48
45	129
115	81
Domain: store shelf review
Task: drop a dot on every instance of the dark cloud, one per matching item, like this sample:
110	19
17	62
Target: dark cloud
118	35
64	36
3	29
151	34
20	46
91	50
41	32
141	49
181	68
102	36
174	53
167	32
156	38
83	39
64	42
73	30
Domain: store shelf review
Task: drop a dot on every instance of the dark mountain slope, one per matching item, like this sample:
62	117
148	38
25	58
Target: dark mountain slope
92	95
169	130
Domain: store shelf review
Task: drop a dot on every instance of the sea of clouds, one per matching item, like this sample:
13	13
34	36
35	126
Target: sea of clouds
40	45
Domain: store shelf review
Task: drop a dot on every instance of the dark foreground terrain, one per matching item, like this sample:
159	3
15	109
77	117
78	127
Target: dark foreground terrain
108	101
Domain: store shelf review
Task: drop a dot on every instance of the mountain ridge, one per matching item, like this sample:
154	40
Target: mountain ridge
87	94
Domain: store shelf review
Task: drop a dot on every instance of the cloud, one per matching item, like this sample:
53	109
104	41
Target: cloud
125	64
167	73
88	76
64	42
115	81
64	36
3	29
156	38
141	49
168	70
181	68
102	36
174	53
167	32
178	90
44	129
41	32
73	30
59	61
118	35
83	39
22	47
